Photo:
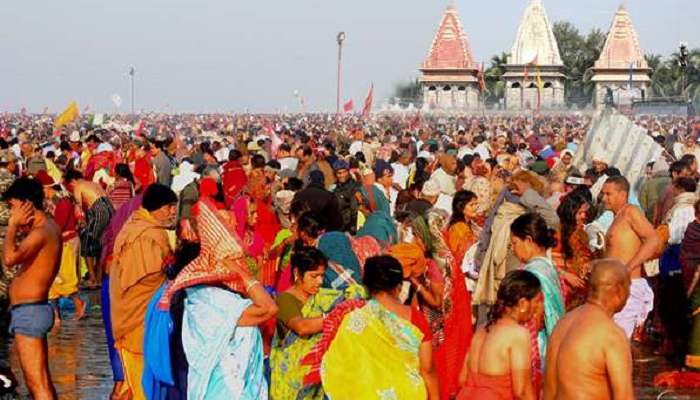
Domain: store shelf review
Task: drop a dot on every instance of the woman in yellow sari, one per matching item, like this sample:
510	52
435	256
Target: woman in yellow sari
382	349
461	233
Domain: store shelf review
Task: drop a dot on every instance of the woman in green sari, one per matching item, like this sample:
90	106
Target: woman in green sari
299	320
530	239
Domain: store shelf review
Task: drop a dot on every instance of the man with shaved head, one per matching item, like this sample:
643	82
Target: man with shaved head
631	239
446	175
588	355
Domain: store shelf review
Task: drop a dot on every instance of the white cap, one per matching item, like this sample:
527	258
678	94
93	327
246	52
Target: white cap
74	136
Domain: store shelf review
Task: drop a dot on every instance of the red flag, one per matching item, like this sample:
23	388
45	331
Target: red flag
368	102
348	107
139	130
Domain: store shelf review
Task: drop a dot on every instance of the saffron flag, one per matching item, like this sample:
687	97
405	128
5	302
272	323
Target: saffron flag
368	102
139	130
482	79
69	115
416	121
538	79
348	107
525	75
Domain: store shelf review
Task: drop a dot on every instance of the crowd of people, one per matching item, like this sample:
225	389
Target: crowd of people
321	256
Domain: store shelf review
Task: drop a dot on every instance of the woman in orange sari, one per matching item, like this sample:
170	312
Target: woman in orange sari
461	234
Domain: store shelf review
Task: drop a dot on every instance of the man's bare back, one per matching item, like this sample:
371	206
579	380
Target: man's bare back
622	241
39	270
585	348
87	192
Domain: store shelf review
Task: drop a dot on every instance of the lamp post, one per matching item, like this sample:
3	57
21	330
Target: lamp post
683	61
132	72
340	38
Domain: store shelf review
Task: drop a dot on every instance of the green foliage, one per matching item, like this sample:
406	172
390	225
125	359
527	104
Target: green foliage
578	52
668	79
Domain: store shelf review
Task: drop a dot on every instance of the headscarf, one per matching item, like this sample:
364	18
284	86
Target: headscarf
337	247
185	176
412	258
218	242
381	226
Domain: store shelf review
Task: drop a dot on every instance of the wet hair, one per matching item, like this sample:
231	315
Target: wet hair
518	284
72	175
461	199
305	259
123	171
257	161
294	184
274	164
567	210
533	225
686	184
677	167
620	182
157	196
382	273
184	254
310	225
612	171
26	189
688	159
234	155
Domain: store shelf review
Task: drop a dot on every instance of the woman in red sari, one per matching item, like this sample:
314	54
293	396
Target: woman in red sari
498	365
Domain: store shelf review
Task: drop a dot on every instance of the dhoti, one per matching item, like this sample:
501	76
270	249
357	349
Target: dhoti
638	306
66	282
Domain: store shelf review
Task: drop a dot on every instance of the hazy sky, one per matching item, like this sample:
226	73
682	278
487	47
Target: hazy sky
228	55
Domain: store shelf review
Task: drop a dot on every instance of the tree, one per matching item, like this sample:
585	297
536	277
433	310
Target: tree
495	86
579	53
408	92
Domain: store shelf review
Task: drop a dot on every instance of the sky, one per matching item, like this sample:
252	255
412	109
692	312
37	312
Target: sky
254	55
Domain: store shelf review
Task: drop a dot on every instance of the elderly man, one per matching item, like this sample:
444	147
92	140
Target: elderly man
136	273
632	240
592	363
446	175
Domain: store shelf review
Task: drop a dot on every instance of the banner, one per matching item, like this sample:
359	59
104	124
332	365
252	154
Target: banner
348	107
616	140
368	102
69	115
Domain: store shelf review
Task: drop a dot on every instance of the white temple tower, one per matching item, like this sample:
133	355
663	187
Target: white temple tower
534	59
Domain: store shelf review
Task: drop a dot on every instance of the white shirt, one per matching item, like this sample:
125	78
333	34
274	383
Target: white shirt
222	154
483	151
682	216
355	147
401	173
463	151
447	182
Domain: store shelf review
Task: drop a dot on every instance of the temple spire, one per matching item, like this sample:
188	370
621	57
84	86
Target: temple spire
535	41
621	47
450	48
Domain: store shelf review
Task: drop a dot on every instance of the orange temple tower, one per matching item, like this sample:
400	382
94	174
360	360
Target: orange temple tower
449	76
621	69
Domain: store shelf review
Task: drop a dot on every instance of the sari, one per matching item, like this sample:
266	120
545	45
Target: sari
343	267
451	325
380	226
374	355
689	260
554	310
288	372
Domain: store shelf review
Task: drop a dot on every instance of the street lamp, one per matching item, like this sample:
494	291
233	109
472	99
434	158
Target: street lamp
132	72
683	61
340	38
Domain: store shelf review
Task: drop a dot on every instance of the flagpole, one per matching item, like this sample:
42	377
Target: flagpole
132	72
340	38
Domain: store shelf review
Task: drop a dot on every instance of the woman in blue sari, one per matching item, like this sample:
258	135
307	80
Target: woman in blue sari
530	239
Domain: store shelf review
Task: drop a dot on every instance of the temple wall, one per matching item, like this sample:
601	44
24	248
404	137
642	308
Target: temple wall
621	93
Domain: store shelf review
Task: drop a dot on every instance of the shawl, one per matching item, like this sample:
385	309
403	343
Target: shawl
365	247
690	252
115	225
344	268
218	243
234	180
412	258
252	242
495	259
682	200
225	360
185	176
381	226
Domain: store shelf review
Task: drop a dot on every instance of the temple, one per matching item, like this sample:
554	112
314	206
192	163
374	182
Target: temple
621	73
535	72
449	77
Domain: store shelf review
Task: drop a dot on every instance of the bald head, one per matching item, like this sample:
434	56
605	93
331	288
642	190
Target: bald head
609	283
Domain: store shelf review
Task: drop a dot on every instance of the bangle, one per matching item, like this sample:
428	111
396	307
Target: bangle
250	285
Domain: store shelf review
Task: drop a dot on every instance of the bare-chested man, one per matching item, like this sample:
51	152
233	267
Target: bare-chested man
39	255
98	211
594	362
632	240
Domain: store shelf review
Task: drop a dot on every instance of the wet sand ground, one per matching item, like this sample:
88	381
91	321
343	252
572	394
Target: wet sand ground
80	366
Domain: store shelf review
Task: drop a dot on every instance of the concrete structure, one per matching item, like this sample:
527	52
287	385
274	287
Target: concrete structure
449	77
535	52
621	68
